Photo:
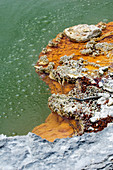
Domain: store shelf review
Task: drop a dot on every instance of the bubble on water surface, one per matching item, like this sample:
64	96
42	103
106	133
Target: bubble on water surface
45	21
10	62
33	50
23	90
29	74
28	85
43	30
13	134
16	69
105	20
4	113
33	64
18	115
32	93
30	45
19	81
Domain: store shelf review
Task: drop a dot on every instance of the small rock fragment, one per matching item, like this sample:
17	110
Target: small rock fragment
52	44
86	51
43	60
101	25
82	32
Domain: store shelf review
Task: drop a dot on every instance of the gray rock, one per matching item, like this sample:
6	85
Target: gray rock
89	151
82	32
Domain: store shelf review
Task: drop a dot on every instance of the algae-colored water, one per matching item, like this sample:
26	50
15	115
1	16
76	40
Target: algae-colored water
25	28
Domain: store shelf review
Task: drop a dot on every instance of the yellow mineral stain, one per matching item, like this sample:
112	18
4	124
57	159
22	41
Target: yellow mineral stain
56	126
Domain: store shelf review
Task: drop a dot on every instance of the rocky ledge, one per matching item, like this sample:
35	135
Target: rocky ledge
78	67
89	151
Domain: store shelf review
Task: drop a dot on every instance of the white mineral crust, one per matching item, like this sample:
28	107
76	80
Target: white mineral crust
105	112
82	32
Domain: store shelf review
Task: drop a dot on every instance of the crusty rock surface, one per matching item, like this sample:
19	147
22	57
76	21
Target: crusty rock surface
89	151
82	32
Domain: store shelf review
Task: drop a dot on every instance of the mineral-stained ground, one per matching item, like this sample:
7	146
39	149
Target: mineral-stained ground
80	76
78	67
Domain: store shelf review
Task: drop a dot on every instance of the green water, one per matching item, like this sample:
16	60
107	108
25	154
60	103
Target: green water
26	26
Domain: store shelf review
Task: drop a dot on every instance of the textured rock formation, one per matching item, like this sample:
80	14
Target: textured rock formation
90	151
96	61
82	32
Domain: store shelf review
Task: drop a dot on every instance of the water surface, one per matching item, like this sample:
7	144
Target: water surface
25	28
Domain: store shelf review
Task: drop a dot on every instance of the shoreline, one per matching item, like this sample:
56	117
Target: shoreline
55	125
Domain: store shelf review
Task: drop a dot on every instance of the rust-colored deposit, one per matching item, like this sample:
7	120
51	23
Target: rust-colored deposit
56	126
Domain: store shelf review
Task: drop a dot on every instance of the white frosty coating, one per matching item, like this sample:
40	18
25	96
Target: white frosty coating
70	71
107	84
95	49
102	100
110	101
2	137
106	109
103	69
65	58
104	46
63	105
30	152
104	112
82	32
100	84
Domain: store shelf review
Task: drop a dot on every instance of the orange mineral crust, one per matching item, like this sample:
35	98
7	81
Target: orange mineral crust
67	47
56	126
